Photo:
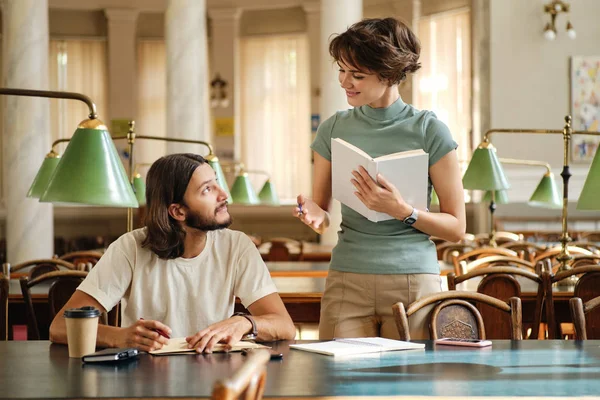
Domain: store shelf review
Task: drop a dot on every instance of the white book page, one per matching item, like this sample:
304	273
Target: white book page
180	345
402	154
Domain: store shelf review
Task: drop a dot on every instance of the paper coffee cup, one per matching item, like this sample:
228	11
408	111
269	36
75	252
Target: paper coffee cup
82	329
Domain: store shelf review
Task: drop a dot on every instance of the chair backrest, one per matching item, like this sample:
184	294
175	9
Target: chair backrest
60	291
501	283
248	382
82	257
43	266
586	288
500	237
4	289
578	316
479	252
529	249
551	253
579	260
445	250
280	249
455	316
593	247
465	266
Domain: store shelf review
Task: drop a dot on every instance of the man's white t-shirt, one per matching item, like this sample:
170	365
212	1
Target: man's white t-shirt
186	294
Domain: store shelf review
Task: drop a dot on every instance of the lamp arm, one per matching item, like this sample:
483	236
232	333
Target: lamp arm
488	134
52	95
526	162
178	140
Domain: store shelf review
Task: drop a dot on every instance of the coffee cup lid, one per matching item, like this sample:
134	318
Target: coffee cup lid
83	312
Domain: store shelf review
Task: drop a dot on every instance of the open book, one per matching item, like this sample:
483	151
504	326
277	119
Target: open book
179	345
344	347
407	170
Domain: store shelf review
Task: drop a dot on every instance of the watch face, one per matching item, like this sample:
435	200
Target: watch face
410	221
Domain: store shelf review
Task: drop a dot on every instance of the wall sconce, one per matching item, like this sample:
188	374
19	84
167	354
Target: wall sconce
218	93
554	8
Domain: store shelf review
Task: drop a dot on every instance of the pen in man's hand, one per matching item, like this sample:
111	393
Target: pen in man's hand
160	332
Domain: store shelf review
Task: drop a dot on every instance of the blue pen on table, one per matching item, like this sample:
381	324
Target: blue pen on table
160	332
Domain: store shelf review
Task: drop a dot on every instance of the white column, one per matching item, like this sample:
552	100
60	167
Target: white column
313	28
26	128
224	60
187	80
336	17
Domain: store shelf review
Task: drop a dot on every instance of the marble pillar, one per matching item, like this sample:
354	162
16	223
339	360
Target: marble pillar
25	128
336	17
187	79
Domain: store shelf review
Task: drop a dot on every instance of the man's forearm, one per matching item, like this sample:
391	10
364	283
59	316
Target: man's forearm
272	327
107	335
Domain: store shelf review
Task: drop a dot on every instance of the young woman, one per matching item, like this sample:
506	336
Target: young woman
375	265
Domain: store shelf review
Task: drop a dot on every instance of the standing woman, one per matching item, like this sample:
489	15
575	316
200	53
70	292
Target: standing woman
375	265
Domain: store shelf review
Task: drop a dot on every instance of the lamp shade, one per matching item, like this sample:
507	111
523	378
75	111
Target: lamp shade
242	191
589	199
213	161
546	193
485	171
500	197
90	171
268	194
139	187
40	182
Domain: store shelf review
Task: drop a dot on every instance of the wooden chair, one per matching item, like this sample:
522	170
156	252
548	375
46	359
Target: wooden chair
483	239
586	288
551	253
248	382
455	316
480	252
445	250
528	249
578	312
84	256
579	260
593	247
500	283
590	236
280	249
495	261
4	289
43	266
60	291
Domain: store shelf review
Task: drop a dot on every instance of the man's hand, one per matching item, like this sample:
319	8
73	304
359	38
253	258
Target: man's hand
229	331
143	335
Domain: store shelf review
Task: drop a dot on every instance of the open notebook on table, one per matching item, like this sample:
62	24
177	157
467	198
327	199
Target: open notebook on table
179	345
344	347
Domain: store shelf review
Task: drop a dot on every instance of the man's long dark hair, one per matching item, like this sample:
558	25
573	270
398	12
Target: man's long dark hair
166	183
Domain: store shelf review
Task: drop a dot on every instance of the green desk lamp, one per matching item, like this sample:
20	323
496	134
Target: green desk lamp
242	191
90	171
40	182
485	173
589	199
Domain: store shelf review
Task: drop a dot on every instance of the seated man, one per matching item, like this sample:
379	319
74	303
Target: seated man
181	273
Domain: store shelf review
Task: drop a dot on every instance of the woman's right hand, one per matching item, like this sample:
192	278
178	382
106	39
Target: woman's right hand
311	214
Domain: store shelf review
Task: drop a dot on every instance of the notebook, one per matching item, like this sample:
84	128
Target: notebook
344	347
407	170
179	346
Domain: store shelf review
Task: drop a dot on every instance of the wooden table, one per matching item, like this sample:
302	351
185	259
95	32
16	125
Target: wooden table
40	370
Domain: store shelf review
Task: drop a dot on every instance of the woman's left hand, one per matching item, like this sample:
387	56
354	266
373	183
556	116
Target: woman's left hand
382	197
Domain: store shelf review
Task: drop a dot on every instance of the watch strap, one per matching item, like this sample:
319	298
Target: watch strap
254	333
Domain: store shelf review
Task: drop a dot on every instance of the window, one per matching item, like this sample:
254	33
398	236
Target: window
77	66
443	84
275	111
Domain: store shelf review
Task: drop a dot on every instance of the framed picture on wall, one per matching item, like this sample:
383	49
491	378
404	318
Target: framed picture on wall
585	106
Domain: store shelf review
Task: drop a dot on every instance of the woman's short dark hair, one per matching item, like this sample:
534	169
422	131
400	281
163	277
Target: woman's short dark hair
385	46
166	182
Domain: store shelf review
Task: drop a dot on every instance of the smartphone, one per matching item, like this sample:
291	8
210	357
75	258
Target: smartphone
108	355
463	342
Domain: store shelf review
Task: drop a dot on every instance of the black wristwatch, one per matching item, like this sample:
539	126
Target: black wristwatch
254	333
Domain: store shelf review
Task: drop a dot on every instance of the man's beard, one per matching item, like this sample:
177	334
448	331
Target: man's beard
197	221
